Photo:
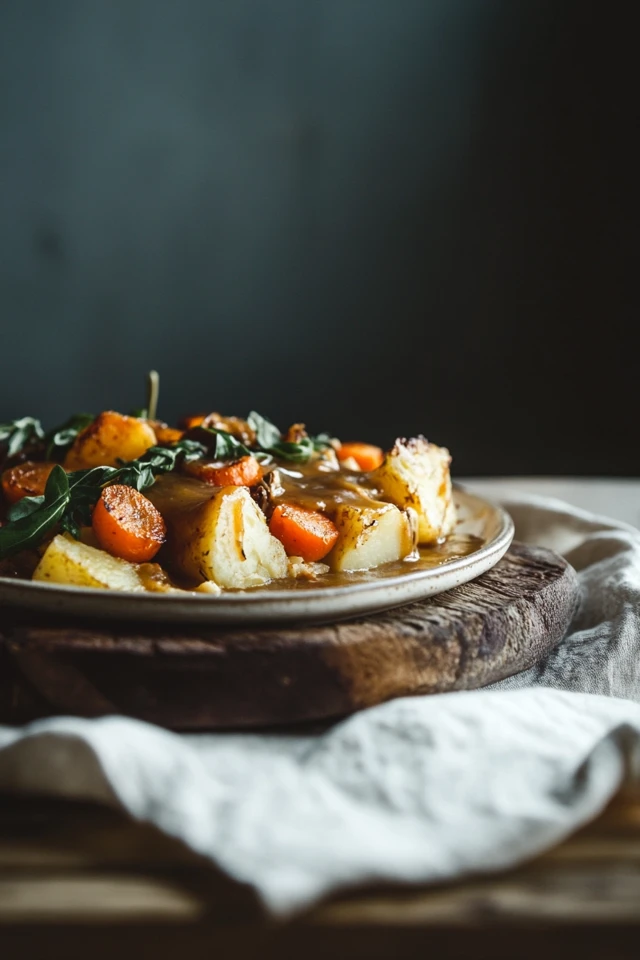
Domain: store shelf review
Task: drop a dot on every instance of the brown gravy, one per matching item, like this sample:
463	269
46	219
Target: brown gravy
156	579
452	548
317	489
324	490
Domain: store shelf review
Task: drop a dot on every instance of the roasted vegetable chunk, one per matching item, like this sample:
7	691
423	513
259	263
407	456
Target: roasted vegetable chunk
110	438
72	562
415	473
222	501
218	534
27	479
371	535
127	525
302	532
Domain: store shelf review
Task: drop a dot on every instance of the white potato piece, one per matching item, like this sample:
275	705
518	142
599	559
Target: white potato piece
110	438
371	535
70	561
415	473
217	533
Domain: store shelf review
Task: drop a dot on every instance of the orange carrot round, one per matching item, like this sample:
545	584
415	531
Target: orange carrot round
239	473
366	455
26	479
302	532
127	525
192	421
165	435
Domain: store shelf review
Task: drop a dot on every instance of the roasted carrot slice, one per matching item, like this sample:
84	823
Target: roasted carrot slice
190	422
165	435
366	455
127	525
302	532
26	479
238	473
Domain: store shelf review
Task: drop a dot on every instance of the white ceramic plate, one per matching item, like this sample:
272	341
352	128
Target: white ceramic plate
482	537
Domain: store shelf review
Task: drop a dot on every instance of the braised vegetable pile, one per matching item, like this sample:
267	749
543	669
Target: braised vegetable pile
217	503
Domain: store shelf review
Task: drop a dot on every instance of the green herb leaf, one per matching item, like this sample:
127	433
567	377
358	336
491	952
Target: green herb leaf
322	441
299	452
188	449
69	499
29	530
24	507
61	438
267	434
85	487
142	473
226	446
269	439
18	433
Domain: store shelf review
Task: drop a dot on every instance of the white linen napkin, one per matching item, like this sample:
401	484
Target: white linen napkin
418	789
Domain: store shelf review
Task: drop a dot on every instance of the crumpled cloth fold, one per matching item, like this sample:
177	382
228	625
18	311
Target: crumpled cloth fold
420	789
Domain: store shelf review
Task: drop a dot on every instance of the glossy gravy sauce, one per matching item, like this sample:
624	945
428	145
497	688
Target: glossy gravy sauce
321	489
318	488
455	546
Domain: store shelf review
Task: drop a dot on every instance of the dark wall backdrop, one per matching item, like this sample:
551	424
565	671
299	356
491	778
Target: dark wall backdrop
380	216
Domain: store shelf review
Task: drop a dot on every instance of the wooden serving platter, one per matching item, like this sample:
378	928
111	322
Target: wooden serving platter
201	678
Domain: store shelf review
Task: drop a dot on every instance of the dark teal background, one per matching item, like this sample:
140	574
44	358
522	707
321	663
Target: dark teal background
379	216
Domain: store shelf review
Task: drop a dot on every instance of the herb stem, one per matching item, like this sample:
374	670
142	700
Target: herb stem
153	390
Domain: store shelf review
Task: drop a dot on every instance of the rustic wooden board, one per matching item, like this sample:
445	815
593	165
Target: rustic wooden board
194	679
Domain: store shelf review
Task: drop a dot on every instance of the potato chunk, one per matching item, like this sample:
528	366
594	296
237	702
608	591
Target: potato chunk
371	535
415	473
217	534
111	437
72	562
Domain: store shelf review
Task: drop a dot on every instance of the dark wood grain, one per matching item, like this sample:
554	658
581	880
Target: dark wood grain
479	633
79	881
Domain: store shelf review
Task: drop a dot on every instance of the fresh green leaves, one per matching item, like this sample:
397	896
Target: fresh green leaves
267	434
323	441
16	434
225	445
85	487
60	438
299	452
142	473
269	440
222	445
27	529
24	507
69	498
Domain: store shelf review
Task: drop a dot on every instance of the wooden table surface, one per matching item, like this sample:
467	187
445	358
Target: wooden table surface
79	881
